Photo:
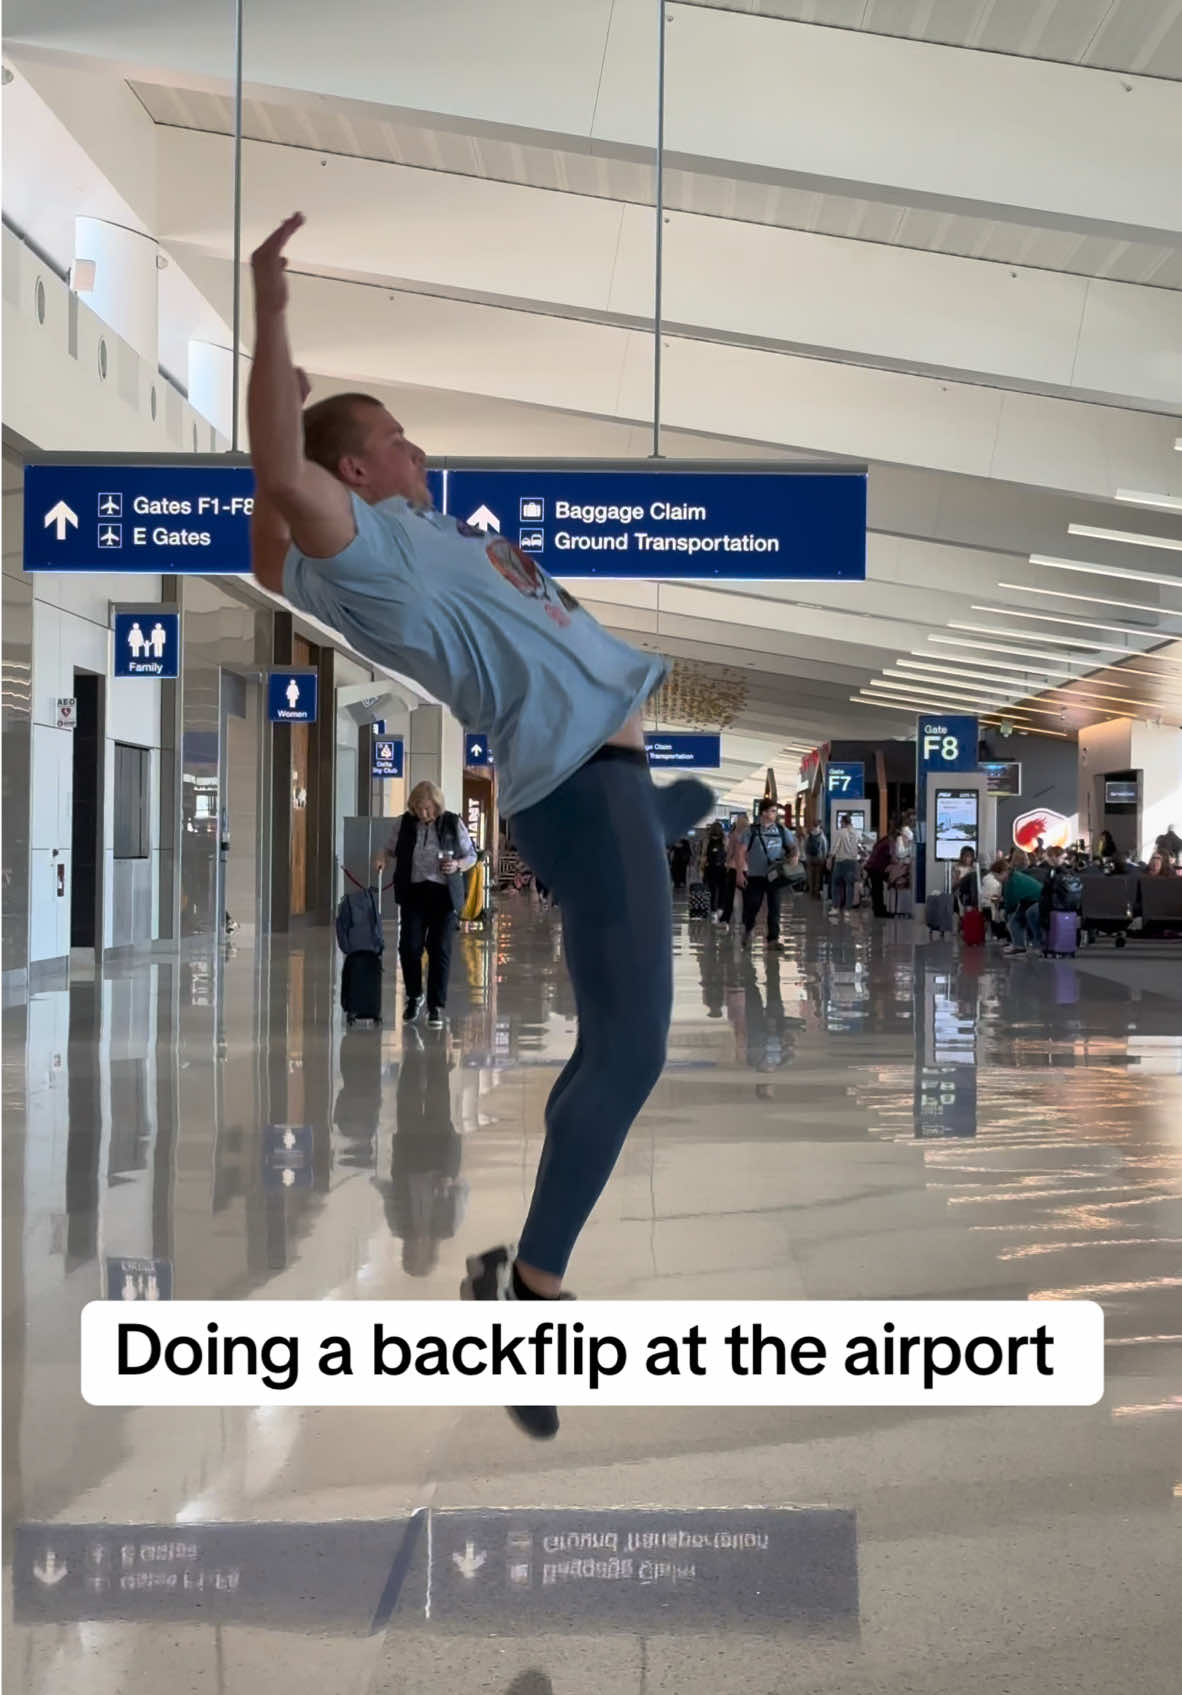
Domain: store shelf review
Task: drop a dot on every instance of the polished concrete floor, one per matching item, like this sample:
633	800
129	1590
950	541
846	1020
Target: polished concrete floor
864	1115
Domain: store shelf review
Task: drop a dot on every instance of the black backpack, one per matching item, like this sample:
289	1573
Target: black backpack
715	853
1067	892
359	923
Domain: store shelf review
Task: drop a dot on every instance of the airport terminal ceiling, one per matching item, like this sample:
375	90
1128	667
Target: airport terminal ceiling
479	253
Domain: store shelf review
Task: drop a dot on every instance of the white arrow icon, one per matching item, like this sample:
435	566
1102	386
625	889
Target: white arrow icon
477	750
293	693
483	519
289	1138
60	515
469	1562
50	1572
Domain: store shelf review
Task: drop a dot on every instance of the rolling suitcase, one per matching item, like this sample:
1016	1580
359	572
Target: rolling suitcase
361	940
972	927
699	900
361	986
1063	935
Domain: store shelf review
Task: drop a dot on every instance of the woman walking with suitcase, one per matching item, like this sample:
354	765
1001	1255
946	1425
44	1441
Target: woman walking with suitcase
430	850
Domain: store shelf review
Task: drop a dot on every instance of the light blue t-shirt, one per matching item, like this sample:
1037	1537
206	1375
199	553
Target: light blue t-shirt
485	630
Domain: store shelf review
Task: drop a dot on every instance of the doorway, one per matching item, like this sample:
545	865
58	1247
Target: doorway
86	838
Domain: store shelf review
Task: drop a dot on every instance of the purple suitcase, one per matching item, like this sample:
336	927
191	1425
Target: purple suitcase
1064	933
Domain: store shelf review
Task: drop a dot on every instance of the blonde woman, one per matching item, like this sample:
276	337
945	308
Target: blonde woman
430	850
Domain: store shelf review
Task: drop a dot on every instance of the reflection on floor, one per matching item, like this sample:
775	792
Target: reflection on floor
860	1115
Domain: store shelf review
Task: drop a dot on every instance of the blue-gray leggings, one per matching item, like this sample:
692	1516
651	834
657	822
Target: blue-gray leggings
598	842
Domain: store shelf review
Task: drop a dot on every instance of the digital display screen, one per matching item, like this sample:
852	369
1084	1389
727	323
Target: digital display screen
856	816
1121	792
956	822
1003	777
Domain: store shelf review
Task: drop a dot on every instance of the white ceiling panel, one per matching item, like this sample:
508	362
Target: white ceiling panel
338	129
1140	36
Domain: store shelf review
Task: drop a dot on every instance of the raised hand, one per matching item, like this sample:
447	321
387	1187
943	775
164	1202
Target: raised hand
270	266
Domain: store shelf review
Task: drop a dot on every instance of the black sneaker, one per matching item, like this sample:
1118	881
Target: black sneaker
435	1018
490	1278
413	1008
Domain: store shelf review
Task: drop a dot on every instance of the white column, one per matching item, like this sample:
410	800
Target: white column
211	386
435	753
115	274
1157	754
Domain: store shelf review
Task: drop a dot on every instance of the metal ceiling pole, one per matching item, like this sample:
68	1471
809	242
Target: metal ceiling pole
659	269
237	312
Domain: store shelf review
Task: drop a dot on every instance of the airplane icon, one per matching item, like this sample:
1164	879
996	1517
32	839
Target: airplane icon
110	535
110	505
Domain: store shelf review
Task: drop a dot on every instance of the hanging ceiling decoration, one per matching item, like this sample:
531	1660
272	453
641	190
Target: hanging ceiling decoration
706	697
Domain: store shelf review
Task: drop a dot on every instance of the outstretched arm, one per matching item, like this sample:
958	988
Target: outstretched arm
315	507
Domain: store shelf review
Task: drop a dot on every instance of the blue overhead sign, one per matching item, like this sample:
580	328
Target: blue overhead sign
686	753
342	1577
846	780
147	643
477	752
387	757
125	517
738	525
636	1569
191	518
688	523
291	697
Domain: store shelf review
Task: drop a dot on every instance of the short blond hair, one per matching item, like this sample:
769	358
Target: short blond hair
425	791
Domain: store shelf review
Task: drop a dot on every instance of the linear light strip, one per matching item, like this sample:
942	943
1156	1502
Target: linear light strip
936	699
987	683
1074	688
1131	537
1050	562
996	647
946	693
933	701
1098	599
966	690
1091	672
1067	641
1072	623
966	686
981	658
1136	497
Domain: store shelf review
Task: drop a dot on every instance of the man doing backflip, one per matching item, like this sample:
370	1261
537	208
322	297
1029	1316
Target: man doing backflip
344	527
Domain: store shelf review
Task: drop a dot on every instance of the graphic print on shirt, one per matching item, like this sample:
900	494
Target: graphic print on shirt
527	576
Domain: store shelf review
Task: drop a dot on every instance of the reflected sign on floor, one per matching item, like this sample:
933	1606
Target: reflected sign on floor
338	1576
287	1156
945	1096
139	1279
641	1569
